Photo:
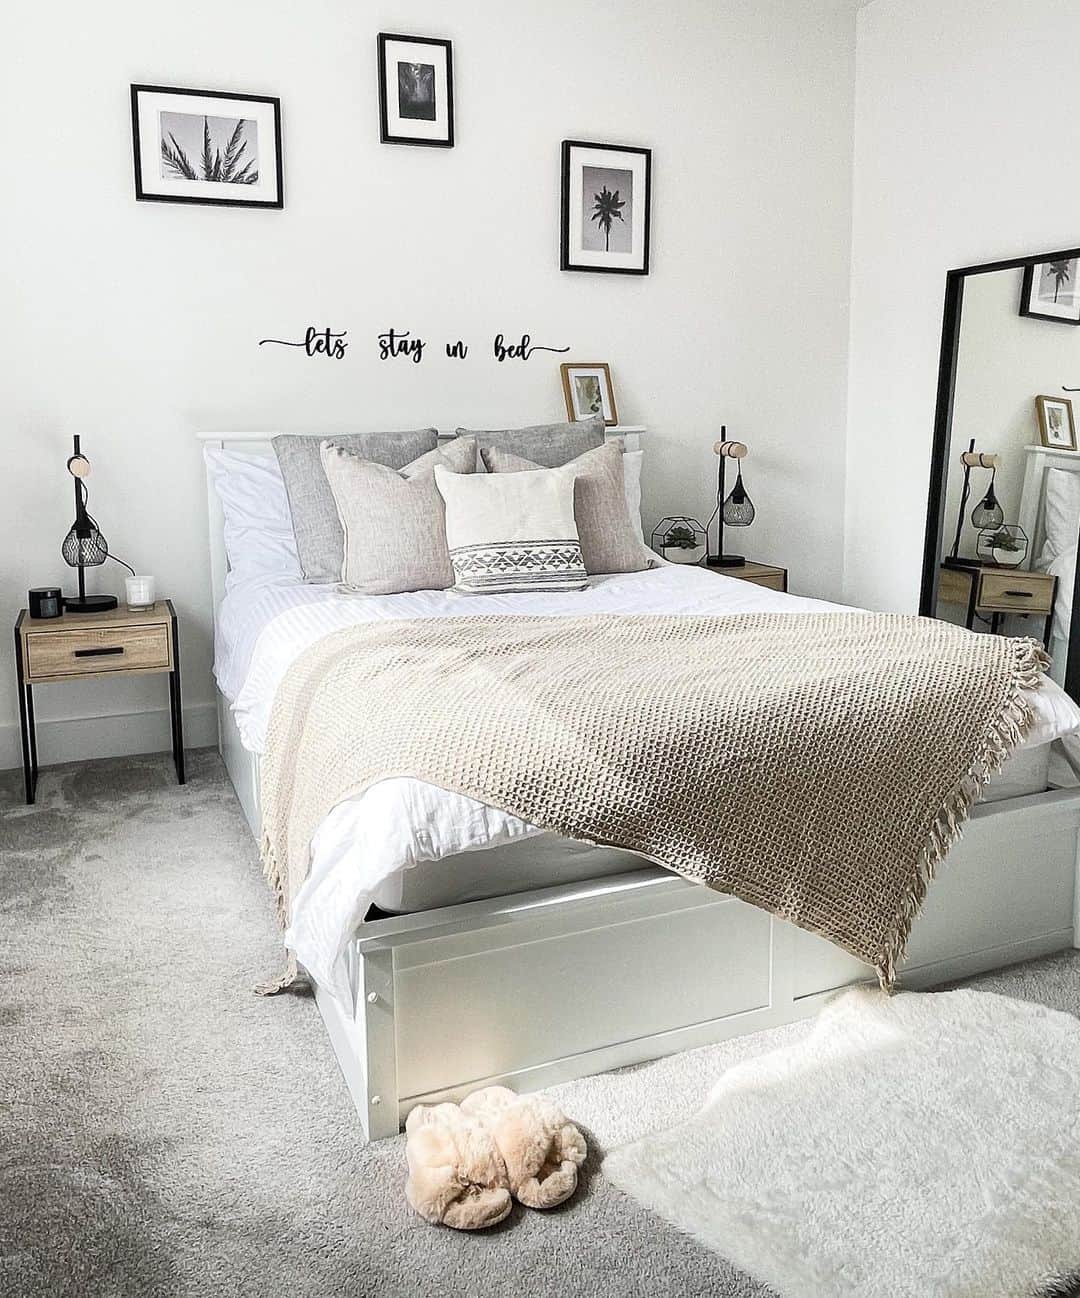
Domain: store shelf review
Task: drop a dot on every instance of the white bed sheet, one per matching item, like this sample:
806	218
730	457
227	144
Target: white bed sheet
399	823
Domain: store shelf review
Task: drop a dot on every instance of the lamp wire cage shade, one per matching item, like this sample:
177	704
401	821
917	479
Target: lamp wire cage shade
738	509
988	512
86	548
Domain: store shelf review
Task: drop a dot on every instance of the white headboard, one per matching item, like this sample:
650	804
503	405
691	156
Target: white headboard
258	443
1032	496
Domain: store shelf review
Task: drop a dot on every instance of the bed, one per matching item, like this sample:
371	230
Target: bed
488	930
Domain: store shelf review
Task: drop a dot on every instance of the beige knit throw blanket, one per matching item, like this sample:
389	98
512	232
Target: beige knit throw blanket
816	765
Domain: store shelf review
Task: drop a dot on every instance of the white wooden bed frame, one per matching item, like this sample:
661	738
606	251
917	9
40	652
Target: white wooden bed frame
545	986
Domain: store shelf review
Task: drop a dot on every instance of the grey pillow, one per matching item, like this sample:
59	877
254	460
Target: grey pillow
394	520
547	445
609	542
319	540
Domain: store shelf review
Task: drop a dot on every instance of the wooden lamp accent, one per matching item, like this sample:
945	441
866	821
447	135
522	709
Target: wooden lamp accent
737	510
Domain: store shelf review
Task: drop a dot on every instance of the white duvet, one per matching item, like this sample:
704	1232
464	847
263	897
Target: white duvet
264	624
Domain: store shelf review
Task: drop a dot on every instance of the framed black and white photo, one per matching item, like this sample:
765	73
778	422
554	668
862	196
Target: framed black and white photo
416	90
605	208
206	146
1050	291
587	390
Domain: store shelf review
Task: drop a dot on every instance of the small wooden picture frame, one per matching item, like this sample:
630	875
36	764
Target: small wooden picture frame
588	391
1057	428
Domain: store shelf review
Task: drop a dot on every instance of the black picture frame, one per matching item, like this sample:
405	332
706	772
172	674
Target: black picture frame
385	134
566	261
143	195
939	459
1025	296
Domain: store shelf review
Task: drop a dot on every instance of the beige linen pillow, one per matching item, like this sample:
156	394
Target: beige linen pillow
395	536
513	531
609	541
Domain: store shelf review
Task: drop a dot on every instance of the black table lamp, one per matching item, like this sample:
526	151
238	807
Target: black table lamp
986	514
84	546
737	510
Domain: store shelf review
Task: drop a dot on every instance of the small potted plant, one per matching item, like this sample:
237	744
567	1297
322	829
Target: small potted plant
680	540
1006	546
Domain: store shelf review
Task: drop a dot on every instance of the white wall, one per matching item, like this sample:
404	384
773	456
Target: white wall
964	153
1005	361
136	324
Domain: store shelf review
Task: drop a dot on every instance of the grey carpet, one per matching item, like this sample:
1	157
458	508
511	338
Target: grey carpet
165	1132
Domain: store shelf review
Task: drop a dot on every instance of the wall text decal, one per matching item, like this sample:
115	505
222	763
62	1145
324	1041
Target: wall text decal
520	351
395	344
316	342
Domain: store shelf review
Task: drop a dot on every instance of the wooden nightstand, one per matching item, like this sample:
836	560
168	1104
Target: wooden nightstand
760	574
89	646
983	588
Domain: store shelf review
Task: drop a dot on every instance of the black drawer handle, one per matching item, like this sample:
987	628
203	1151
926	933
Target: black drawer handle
99	653
1021	594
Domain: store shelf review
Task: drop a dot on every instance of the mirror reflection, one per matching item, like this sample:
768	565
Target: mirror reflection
1012	499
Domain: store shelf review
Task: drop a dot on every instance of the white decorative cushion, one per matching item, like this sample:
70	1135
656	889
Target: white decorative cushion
259	539
392	519
1061	514
511	532
609	540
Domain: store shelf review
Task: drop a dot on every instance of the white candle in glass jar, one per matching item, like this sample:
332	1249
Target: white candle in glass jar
139	591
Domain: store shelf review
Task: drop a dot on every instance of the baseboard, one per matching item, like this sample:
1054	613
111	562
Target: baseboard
119	734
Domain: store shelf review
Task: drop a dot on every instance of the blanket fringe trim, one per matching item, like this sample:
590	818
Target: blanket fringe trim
1008	731
292	977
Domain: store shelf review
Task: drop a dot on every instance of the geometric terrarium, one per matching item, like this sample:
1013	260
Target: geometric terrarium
680	539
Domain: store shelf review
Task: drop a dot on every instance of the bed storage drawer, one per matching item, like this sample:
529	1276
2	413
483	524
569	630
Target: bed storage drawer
571	992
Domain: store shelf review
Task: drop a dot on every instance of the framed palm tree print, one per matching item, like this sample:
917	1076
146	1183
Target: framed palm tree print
1050	291
416	90
206	146
605	208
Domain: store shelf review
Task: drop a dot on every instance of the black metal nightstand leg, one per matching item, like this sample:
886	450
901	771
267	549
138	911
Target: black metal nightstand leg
973	600
26	727
176	708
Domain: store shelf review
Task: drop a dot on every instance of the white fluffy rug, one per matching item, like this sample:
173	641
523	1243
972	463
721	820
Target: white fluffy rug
924	1146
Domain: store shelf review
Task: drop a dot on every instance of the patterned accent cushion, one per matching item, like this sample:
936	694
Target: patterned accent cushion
548	445
605	528
319	539
512	531
393	520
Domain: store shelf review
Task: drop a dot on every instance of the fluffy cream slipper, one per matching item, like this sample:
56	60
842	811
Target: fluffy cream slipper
541	1149
456	1174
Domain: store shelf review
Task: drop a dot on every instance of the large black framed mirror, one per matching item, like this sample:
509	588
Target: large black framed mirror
1003	515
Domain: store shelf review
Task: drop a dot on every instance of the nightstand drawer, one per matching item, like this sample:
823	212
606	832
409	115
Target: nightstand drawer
89	652
773	580
1020	592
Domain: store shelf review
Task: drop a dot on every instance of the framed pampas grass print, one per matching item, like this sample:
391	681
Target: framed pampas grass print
206	146
605	208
